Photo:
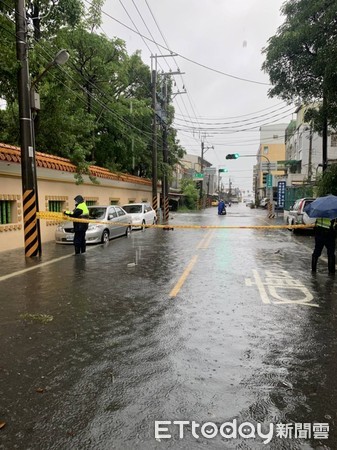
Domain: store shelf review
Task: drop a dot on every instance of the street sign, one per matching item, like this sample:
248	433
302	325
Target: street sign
269	180
265	166
281	193
198	176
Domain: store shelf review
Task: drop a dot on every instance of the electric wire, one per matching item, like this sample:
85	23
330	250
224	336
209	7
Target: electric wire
238	121
167	45
237	117
182	56
160	51
228	130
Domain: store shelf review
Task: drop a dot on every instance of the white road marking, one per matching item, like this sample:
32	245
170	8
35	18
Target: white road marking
29	269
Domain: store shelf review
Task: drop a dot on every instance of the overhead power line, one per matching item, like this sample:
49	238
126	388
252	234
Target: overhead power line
182	56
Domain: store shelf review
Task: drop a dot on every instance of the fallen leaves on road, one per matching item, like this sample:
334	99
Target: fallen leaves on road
42	318
2	424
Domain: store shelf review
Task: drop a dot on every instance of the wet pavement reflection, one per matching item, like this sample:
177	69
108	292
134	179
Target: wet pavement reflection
97	347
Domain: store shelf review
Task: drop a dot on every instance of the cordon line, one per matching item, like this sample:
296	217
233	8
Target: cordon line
183	277
59	217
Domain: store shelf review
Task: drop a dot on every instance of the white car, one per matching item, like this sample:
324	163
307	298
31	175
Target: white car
141	214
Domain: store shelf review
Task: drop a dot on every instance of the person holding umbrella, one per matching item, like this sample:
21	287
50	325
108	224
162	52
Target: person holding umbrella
324	209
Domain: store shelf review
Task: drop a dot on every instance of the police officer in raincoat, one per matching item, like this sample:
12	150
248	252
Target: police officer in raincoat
80	212
325	234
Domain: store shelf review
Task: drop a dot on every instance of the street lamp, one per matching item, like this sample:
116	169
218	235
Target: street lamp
60	58
269	187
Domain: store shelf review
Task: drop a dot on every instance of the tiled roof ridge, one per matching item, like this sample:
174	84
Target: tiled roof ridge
11	153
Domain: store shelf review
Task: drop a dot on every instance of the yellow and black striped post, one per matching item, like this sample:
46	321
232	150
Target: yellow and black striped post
30	223
166	210
155	203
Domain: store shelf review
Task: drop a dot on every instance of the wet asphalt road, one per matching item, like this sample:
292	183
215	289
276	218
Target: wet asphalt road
210	325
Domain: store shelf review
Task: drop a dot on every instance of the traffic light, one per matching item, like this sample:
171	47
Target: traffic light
232	156
223	170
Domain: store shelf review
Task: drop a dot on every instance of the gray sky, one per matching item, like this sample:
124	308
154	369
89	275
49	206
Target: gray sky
224	35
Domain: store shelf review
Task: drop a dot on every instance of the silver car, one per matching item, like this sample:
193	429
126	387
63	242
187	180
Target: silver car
118	224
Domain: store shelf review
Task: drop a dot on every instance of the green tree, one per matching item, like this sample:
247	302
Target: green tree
301	57
190	193
96	108
328	183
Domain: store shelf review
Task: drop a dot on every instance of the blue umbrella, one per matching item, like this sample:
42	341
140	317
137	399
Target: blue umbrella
323	207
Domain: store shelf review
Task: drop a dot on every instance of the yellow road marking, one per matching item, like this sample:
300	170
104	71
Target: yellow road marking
201	243
183	277
205	242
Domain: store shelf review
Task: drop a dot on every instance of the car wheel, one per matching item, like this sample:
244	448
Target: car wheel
128	231
295	230
105	236
143	225
289	222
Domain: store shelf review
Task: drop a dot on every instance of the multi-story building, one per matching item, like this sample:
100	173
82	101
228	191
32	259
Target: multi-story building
271	150
187	167
304	150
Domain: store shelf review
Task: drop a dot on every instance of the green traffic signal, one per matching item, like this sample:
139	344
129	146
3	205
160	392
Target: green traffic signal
232	156
223	170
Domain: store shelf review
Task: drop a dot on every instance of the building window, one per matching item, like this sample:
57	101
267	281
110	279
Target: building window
55	206
90	202
6	211
265	149
114	201
334	140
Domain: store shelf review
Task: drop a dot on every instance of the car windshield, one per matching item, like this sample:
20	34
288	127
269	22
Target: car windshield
97	213
133	209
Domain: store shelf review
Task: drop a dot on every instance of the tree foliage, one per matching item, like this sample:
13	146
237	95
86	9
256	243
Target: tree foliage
301	57
328	183
96	109
190	193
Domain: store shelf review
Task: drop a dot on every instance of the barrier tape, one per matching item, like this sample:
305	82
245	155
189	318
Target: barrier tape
60	217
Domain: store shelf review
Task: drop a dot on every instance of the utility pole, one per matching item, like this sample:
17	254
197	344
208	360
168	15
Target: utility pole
165	186
310	155
154	140
201	171
325	135
203	151
28	163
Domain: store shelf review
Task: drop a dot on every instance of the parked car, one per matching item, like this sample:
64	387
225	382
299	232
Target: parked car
264	202
98	232
297	216
141	214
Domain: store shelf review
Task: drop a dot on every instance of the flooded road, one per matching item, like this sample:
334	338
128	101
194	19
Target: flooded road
195	325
